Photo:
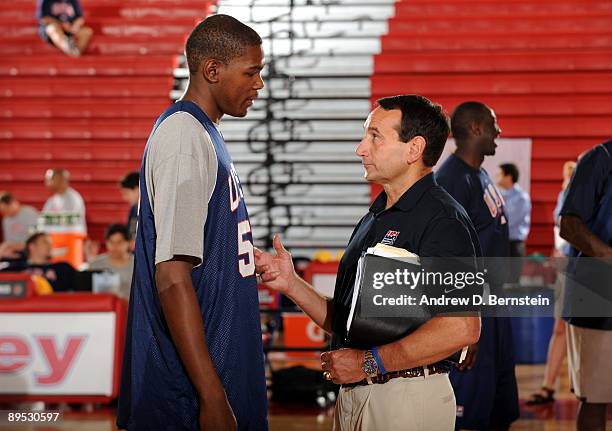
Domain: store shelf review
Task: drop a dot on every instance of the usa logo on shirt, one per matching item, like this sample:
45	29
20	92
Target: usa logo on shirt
390	237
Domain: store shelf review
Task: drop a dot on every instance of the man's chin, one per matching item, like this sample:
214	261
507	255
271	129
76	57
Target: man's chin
369	178
240	114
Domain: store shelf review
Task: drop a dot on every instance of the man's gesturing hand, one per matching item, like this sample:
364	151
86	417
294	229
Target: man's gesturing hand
344	365
277	271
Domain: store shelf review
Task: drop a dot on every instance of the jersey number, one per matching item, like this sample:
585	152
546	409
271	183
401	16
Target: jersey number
246	264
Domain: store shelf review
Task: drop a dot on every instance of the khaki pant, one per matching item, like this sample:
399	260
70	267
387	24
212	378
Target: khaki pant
406	404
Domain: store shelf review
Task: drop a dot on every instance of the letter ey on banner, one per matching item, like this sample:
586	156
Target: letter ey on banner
57	353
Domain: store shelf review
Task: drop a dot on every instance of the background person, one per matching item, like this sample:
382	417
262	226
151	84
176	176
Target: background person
557	347
486	388
517	205
65	199
18	223
62	24
586	223
61	275
117	258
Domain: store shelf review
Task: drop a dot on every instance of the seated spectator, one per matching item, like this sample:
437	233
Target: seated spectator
130	192
38	251
65	199
18	222
62	24
118	258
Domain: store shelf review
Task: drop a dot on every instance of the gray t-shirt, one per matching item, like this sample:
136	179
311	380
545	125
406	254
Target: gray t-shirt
21	226
103	263
180	173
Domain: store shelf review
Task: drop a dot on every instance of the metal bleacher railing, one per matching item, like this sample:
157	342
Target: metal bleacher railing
295	149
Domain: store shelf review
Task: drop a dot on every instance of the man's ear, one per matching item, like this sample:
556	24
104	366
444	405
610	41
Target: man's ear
210	70
475	128
415	149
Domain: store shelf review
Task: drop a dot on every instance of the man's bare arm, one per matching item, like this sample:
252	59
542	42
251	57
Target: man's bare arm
315	305
434	341
278	273
574	231
182	313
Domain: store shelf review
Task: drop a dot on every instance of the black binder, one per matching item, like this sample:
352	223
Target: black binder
365	332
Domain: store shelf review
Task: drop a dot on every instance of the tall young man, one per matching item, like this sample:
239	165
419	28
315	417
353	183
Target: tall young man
193	355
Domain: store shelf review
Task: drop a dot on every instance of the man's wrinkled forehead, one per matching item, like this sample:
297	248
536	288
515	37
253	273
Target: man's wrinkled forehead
384	120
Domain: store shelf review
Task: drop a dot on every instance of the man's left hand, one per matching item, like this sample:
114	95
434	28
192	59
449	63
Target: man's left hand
344	365
470	358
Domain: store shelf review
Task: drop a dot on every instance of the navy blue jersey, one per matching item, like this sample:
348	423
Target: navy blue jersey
589	197
156	393
62	10
475	191
487	394
589	194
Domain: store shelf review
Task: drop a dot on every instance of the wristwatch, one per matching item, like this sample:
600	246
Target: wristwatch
369	367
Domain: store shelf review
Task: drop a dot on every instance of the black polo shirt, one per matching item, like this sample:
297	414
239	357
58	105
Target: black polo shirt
426	220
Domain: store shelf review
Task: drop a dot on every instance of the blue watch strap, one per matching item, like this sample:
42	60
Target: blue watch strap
379	363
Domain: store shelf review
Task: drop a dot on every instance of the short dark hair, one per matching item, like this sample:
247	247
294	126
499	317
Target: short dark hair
130	180
221	37
466	113
510	169
6	198
420	117
117	228
32	239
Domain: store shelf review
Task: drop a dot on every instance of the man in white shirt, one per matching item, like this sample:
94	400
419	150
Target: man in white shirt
65	200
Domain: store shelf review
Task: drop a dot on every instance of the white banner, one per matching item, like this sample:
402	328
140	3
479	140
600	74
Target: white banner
57	353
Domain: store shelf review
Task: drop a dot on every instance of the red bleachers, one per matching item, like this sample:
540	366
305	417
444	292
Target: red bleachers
468	62
90	128
100	45
86	107
92	66
93	86
522	42
118	27
58	151
477	84
91	115
545	66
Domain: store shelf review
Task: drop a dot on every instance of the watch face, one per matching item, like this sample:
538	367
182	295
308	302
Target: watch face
369	367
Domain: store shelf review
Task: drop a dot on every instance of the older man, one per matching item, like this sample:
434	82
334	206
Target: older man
404	138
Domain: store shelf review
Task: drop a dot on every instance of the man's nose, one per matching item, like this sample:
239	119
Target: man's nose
361	148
